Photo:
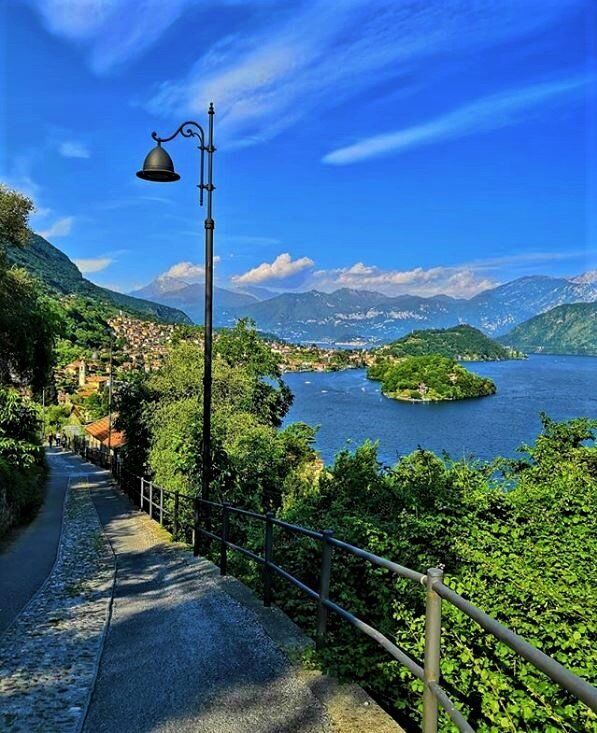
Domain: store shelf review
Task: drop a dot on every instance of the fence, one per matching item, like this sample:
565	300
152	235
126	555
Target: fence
150	498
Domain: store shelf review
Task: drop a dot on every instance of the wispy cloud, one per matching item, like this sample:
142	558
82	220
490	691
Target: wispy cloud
319	54
73	149
93	264
111	31
482	115
282	268
60	228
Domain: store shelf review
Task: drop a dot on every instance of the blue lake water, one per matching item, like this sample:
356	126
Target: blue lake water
349	409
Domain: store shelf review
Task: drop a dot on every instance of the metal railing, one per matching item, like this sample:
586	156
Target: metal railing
143	492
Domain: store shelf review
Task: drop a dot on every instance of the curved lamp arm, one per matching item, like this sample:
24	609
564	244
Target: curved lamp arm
186	130
190	128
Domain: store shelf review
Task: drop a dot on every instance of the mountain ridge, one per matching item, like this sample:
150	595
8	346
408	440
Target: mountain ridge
347	314
61	276
566	329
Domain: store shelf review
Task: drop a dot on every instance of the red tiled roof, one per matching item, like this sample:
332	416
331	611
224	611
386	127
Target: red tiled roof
100	430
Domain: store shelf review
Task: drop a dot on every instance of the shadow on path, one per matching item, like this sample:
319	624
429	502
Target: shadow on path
28	553
181	654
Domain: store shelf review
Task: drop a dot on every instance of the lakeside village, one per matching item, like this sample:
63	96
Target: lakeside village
83	384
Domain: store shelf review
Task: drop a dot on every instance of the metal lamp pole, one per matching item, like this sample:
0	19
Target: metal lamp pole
110	392
158	166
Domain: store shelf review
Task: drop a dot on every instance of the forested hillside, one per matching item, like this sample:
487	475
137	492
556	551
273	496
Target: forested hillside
567	329
463	343
56	271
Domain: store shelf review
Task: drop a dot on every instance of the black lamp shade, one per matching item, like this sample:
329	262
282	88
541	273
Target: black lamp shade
158	166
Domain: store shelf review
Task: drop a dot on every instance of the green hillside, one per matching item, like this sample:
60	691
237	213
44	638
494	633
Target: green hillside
463	343
565	329
62	276
432	378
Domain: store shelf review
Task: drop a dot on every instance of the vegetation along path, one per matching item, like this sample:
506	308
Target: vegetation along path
28	553
182	654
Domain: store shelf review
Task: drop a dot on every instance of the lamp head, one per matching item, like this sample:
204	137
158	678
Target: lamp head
158	166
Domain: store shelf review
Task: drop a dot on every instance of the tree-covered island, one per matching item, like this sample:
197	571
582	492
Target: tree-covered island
432	378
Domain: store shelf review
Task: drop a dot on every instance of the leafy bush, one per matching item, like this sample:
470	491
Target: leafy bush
21	459
526	556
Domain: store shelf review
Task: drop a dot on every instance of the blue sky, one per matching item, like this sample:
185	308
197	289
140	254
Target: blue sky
418	146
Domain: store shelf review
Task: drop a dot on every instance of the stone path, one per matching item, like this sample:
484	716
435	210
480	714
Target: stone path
182	654
28	553
49	655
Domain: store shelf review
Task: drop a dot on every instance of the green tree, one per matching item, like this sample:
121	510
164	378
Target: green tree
29	321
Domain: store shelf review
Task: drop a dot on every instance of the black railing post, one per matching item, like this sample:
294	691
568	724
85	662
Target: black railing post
433	628
176	505
224	540
324	585
268	553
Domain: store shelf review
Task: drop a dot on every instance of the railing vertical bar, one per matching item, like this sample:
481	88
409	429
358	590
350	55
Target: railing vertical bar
433	626
225	538
268	553
176	505
161	506
324	585
141	494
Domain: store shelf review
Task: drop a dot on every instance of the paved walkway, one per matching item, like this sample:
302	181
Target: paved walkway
28	553
181	654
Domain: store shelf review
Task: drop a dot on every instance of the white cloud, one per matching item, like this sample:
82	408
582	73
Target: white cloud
281	268
73	149
482	115
459	281
60	228
308	58
93	264
187	271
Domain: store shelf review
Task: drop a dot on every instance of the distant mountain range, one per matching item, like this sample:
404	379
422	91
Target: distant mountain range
565	329
190	299
347	315
60	275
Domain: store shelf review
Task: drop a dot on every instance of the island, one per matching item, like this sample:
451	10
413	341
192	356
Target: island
430	378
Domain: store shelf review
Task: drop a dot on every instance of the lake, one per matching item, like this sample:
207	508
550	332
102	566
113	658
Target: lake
349	409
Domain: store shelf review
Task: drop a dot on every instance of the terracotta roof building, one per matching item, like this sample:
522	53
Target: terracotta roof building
99	431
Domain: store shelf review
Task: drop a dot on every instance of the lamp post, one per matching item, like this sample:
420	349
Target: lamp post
158	166
110	393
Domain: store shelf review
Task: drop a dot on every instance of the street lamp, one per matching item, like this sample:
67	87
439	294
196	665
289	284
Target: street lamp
158	166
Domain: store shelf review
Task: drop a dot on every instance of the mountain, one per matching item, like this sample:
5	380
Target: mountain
60	275
190	299
463	343
349	314
566	329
